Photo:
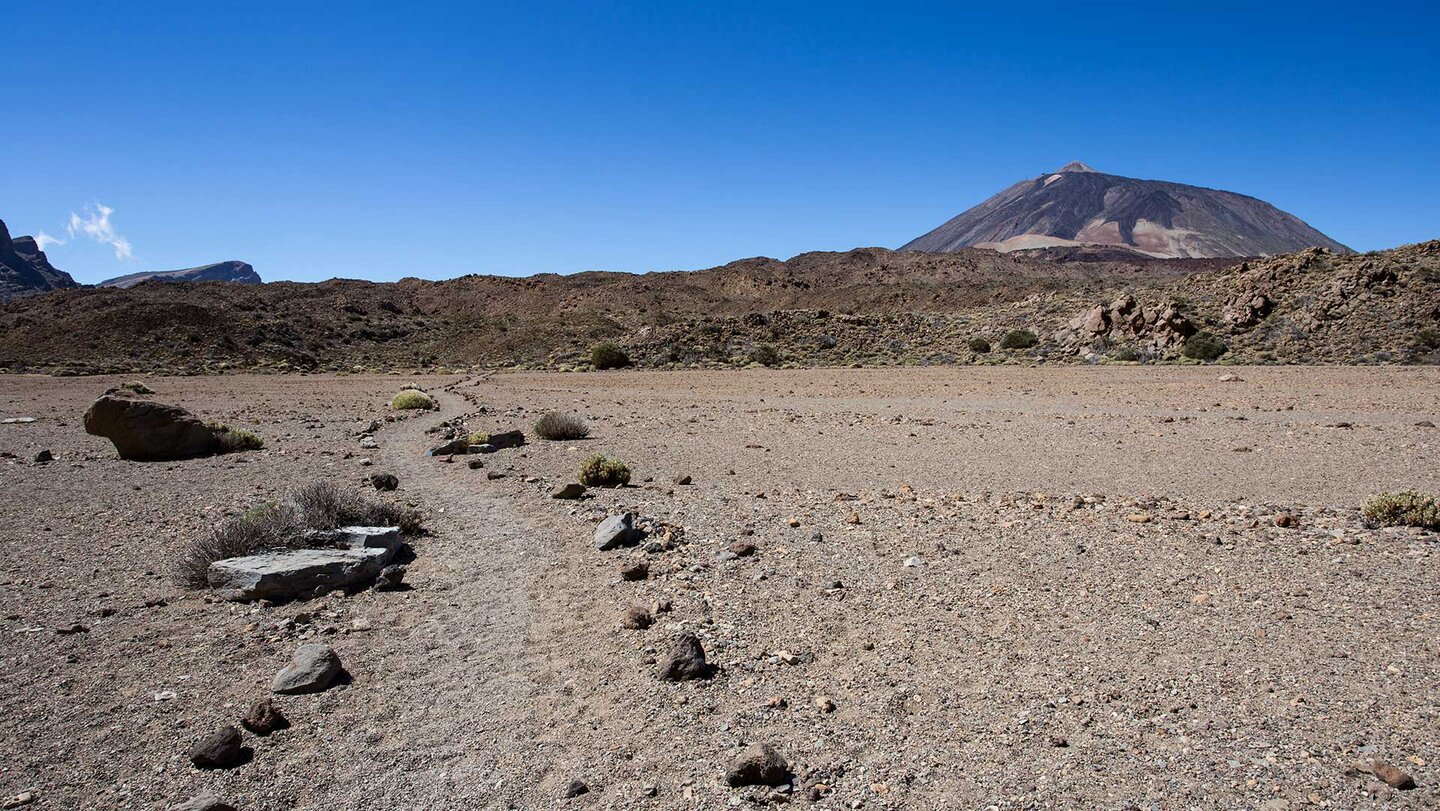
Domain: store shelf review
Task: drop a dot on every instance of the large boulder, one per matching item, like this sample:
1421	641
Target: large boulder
146	431
348	558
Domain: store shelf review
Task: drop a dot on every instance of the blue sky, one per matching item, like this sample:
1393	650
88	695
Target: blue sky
384	140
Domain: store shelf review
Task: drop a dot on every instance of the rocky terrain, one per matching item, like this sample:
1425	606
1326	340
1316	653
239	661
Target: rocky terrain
232	271
868	307
24	269
1006	588
1077	206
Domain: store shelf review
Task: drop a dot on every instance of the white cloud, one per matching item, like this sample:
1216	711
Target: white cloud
44	240
96	225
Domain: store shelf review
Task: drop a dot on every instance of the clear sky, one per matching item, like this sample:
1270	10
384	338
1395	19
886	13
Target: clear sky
391	139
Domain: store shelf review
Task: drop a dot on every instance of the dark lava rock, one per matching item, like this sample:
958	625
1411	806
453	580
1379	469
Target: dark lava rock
1393	777
636	618
686	661
392	578
384	481
682	480
506	439
742	549
218	750
635	570
760	765
146	431
264	718
570	491
576	788
44	456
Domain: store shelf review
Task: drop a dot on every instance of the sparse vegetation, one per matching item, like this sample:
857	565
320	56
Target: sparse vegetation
271	526
765	355
1125	353
324	505
1204	346
978	344
1406	509
478	438
412	398
1428	338
1019	339
599	471
230	440
608	355
558	426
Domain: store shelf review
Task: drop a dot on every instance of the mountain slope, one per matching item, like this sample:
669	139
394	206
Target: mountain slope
229	271
24	269
1077	205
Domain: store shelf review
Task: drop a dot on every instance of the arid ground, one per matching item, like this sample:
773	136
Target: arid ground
973	588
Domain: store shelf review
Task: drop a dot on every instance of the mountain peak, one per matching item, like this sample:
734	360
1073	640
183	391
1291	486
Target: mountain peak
1075	166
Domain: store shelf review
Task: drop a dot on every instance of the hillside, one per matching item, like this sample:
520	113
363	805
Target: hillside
1078	206
867	306
24	269
229	271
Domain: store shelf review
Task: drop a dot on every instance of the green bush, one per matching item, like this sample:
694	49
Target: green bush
1019	339
1403	510
598	471
1429	338
765	355
1125	353
978	344
558	426
1204	346
230	440
608	355
412	398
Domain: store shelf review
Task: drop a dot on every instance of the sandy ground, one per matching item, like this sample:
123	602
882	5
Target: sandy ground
987	639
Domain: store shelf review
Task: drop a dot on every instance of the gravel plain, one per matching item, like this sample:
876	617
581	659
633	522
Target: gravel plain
965	588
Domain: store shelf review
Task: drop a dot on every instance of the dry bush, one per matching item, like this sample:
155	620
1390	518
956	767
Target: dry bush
229	440
412	398
557	426
324	505
272	526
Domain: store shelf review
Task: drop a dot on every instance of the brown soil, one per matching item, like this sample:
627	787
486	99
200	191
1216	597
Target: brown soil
1186	650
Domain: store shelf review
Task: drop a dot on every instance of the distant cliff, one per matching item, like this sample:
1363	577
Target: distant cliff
231	271
24	270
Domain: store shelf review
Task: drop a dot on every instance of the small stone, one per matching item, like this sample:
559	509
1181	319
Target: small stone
1231	378
264	718
742	549
636	618
824	704
760	765
391	578
44	456
1287	521
368	442
475	464
384	481
218	750
72	628
635	570
21	799
852	518
1138	518
492	475
1059	742
205	802
575	788
313	669
682	480
686	661
914	561
616	531
1393	777
570	491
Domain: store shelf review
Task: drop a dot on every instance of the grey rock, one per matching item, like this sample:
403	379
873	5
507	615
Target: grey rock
218	750
759	765
392	578
368	442
312	669
617	531
573	490
575	788
686	661
294	574
482	448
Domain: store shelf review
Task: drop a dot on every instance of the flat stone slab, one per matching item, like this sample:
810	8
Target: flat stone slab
345	558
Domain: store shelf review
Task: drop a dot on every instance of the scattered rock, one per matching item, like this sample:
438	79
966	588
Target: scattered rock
1393	777
682	480
1424	424
636	618
492	475
218	750
452	448
304	573
570	491
1287	521
760	765
264	718
312	669
22	799
1231	378
384	481
506	439
72	628
205	802
44	456
368	443
686	661
616	531
575	788
914	561
635	570
392	578
475	464
824	704
742	549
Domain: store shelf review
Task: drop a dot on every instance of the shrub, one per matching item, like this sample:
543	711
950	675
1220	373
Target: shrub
1125	353
270	526
557	426
412	398
765	355
1428	338
598	471
1403	510
1019	339
1204	346
478	438
608	355
230	440
978	344
324	505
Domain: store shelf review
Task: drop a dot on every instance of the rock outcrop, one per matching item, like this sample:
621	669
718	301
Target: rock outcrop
147	431
347	558
25	270
232	271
